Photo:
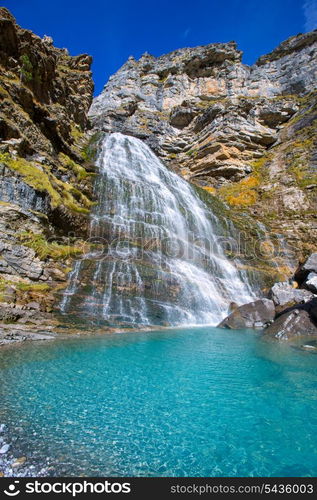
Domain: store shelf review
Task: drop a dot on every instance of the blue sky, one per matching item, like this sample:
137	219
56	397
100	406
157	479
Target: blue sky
112	31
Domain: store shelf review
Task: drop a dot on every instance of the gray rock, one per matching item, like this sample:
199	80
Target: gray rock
311	263
255	315
283	293
18	462
305	269
311	282
183	102
293	323
5	448
10	314
33	305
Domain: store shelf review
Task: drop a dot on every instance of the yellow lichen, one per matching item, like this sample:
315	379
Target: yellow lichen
242	193
209	189
245	198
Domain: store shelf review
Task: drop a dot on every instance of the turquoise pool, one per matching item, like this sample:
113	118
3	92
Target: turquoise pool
181	402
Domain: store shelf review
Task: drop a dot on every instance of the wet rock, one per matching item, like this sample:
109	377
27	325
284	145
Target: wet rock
4	449
256	315
311	347
18	462
311	282
284	294
293	323
310	266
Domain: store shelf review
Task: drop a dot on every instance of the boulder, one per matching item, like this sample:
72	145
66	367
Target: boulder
310	266
311	282
256	314
293	323
283	294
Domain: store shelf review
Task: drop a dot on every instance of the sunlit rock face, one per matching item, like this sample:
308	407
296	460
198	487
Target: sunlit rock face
45	174
182	96
219	122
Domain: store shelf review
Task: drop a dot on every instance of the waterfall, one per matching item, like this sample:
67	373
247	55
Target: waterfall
157	258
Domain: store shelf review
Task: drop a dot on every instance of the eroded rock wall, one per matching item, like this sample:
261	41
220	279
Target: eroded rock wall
245	134
46	168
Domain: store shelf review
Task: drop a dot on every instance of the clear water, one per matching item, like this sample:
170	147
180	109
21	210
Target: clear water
182	402
164	262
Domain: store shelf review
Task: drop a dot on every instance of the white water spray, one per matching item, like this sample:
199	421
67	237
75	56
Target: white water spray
163	265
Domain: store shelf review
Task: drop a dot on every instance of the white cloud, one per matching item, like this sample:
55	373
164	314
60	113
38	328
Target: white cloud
310	14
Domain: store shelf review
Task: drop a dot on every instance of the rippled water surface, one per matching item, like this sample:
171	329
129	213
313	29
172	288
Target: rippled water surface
190	402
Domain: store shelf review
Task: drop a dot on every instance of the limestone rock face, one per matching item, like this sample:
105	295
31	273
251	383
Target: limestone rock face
43	89
45	96
45	170
256	314
246	133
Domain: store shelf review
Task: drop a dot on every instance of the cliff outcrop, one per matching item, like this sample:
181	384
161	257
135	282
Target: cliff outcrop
246	134
46	170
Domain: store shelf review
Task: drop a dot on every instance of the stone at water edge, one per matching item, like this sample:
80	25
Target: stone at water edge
293	323
284	294
18	462
310	266
311	282
256	315
5	448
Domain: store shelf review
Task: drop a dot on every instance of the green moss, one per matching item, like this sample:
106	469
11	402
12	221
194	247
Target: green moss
76	133
4	93
191	152
89	152
78	170
40	178
26	68
34	175
241	194
32	287
45	249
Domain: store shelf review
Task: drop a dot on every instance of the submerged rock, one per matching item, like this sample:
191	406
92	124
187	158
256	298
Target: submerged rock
18	462
4	449
256	314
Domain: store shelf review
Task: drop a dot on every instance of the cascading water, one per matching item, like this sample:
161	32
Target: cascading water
162	264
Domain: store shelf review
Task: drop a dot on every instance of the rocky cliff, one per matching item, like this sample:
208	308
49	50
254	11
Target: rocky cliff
45	168
245	134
